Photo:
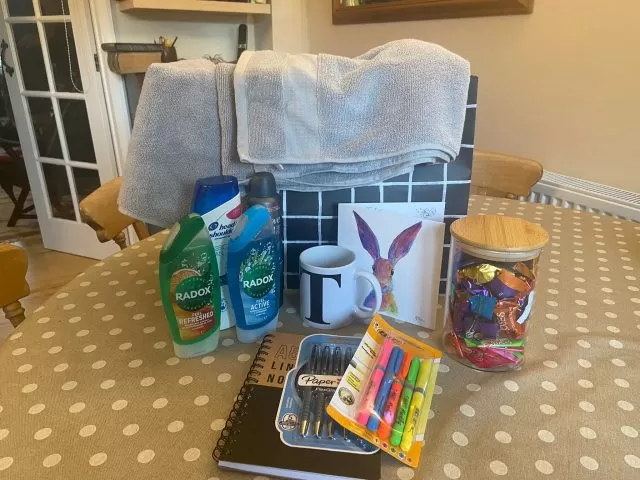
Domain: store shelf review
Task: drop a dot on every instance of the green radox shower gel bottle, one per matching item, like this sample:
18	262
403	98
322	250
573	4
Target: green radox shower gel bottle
190	288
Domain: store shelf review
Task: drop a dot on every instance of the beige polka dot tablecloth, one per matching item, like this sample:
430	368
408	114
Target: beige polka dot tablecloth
90	388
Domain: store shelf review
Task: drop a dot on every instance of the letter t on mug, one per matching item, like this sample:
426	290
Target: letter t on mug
328	291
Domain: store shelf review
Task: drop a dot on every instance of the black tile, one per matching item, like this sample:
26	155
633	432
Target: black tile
447	230
332	198
468	133
445	262
443	287
302	229
399	178
457	199
472	96
293	255
293	281
367	195
396	193
426	193
460	169
428	172
302	203
330	230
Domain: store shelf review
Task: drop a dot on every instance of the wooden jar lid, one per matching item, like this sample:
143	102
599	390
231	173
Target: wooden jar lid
499	233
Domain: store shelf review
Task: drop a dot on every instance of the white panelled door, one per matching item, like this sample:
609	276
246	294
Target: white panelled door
60	115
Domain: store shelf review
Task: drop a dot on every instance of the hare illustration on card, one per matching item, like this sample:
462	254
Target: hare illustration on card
384	268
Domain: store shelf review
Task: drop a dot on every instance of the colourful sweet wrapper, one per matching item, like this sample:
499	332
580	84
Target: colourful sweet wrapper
481	273
483	306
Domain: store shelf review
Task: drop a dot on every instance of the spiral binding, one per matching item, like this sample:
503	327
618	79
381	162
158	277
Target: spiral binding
234	420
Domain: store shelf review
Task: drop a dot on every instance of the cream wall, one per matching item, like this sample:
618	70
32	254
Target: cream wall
560	86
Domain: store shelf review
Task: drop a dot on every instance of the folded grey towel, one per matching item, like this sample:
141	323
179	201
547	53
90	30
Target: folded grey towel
309	119
175	141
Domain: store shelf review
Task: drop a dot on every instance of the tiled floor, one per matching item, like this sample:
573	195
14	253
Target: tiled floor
48	270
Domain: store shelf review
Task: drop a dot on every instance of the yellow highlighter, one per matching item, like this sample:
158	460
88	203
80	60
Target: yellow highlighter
415	408
424	414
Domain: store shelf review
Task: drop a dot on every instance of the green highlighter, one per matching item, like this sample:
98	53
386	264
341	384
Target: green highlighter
405	401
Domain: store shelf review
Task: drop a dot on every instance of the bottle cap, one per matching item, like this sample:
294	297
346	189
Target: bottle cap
211	192
262	185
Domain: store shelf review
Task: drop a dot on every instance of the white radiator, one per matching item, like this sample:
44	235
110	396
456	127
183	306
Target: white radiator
575	193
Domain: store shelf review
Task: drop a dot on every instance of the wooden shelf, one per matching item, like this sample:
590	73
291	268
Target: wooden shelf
195	6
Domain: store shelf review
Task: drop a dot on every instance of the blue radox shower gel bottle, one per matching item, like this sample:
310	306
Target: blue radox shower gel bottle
253	273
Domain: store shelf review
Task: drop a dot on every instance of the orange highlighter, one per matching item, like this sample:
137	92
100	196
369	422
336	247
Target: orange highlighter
389	411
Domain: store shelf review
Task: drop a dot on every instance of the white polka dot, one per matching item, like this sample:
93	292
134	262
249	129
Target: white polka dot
583	343
621	382
92	294
582	315
511	385
580	302
405	473
618	362
138	316
473	387
172	361
125	346
121	293
551	303
218	424
107	384
159	345
507	410
626	406
460	439
451	471
15	336
131	429
546	436
437	390
632	460
467	410
551	331
145	456
244	357
150	291
147	381
186	380
160	403
589	463
132	272
75	319
552	291
37	408
584	363
18	351
129	304
149	329
106	273
70	385
30	387
585	383
544	467
135	363
588	433
579	290
98	306
25	368
77	407
587	406
175	426
606	290
87	430
119	404
113	283
42	433
503	437
548	386
616	344
191	455
82	333
444	368
89	348
550	346
227	342
498	467
547	409
550	364
47	335
98	365
98	459
629	431
69	306
51	460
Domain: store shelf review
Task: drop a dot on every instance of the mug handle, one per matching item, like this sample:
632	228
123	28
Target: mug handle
375	284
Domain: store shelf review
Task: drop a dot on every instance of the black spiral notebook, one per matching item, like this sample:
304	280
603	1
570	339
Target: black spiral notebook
250	441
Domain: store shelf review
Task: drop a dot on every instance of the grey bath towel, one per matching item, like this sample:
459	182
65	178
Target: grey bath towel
326	121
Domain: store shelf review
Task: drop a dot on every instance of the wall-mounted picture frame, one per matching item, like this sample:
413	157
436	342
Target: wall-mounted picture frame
376	11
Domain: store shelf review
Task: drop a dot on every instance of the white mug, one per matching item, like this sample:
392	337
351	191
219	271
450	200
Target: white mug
328	292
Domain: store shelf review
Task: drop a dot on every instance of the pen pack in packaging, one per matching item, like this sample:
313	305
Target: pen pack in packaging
302	415
385	394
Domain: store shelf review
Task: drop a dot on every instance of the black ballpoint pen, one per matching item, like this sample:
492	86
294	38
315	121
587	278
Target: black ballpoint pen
317	417
336	369
346	360
314	363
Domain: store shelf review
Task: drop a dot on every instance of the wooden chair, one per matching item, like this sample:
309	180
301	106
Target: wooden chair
502	175
13	285
100	211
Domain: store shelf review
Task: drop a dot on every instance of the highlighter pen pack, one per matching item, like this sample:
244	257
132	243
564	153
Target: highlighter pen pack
385	394
302	418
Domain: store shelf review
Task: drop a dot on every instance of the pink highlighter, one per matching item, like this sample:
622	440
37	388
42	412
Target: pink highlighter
367	403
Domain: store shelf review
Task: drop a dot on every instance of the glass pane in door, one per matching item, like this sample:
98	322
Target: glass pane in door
53	7
55	177
20	8
30	56
77	131
87	181
44	128
64	60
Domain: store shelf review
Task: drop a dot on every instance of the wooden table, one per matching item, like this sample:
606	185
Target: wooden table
90	387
